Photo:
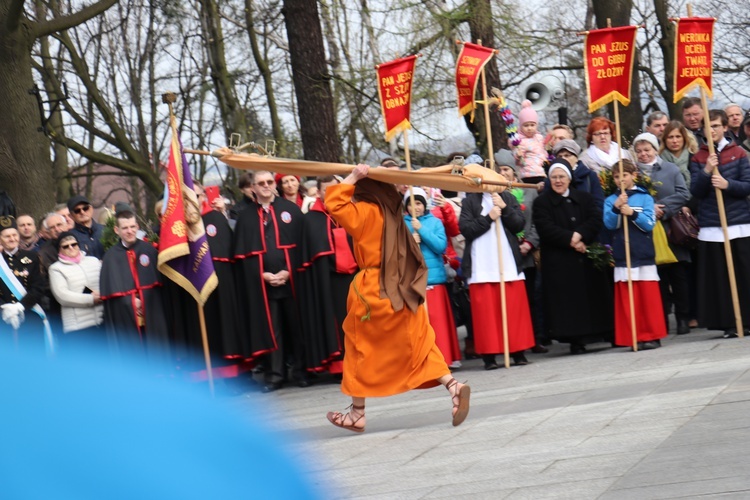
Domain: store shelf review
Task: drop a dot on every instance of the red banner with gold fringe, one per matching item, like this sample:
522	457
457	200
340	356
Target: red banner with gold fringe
471	60
394	89
608	57
693	61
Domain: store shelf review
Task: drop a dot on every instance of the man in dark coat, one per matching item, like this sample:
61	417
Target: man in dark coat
88	232
21	290
327	271
132	295
267	239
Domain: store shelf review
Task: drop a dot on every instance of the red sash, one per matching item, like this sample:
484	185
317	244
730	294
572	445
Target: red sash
345	263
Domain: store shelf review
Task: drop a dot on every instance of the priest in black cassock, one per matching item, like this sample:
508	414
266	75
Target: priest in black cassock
327	271
267	239
131	288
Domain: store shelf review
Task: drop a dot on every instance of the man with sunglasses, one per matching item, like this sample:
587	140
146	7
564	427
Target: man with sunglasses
268	235
87	230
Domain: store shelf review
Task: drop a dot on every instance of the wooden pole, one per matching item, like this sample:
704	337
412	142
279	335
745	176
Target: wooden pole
625	226
498	231
722	212
206	354
723	219
169	98
626	233
407	158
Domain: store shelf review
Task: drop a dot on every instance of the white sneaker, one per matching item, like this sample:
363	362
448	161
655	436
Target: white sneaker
455	365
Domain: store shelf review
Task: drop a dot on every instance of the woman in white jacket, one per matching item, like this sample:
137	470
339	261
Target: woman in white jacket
74	281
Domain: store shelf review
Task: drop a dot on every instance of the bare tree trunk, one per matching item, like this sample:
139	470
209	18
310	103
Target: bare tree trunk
265	72
666	44
25	166
312	85
231	112
631	117
480	25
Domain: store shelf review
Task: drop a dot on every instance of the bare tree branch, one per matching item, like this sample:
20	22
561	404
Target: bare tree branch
71	20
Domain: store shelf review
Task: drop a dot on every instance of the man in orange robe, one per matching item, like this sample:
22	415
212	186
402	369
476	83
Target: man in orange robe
389	344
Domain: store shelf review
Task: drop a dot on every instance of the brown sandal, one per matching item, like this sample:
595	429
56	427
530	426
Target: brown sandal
340	419
460	401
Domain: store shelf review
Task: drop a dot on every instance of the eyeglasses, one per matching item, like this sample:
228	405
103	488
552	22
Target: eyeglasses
81	209
264	183
69	245
602	133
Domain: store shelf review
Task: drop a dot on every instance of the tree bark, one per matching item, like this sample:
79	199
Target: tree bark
25	166
631	117
480	25
666	44
312	86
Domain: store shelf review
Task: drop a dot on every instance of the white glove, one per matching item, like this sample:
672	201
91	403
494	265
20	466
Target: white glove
13	314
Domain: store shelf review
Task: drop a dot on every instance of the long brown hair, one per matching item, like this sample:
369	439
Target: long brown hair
688	138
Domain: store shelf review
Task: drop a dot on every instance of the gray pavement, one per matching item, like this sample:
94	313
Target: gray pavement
611	424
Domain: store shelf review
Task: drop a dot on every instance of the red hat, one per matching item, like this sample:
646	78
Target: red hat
281	176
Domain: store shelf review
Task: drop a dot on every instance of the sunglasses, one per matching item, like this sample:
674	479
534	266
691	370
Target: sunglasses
69	245
81	209
264	183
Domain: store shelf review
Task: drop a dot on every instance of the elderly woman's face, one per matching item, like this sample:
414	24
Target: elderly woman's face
602	138
645	152
69	247
559	181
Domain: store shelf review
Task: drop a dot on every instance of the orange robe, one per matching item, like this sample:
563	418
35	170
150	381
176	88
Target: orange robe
392	352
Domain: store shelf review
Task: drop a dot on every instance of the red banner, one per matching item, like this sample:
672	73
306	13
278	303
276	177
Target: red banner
471	60
608	56
693	61
394	89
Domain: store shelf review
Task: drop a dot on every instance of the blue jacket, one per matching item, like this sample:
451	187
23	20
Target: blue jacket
641	224
734	167
434	242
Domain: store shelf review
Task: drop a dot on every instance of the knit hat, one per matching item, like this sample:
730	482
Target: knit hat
419	195
504	158
278	178
648	137
562	165
527	114
121	207
568	145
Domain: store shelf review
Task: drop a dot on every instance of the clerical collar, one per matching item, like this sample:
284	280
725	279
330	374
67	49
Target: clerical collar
12	252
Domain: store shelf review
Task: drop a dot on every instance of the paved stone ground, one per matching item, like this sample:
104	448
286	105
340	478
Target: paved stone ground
611	424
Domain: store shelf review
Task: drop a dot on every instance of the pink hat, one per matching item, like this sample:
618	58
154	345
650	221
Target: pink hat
527	114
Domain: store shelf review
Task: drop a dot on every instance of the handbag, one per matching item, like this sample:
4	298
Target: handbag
664	254
684	230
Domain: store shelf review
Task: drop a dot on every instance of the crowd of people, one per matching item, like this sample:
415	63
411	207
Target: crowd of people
519	269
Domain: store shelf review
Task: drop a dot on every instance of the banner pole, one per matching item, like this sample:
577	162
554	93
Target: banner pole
206	354
625	226
498	233
724	224
407	158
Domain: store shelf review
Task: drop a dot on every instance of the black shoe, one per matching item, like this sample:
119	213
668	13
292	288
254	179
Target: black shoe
272	386
304	382
539	349
652	344
519	359
491	365
731	333
682	327
577	349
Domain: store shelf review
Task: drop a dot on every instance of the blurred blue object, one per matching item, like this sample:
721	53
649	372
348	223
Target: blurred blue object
83	427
